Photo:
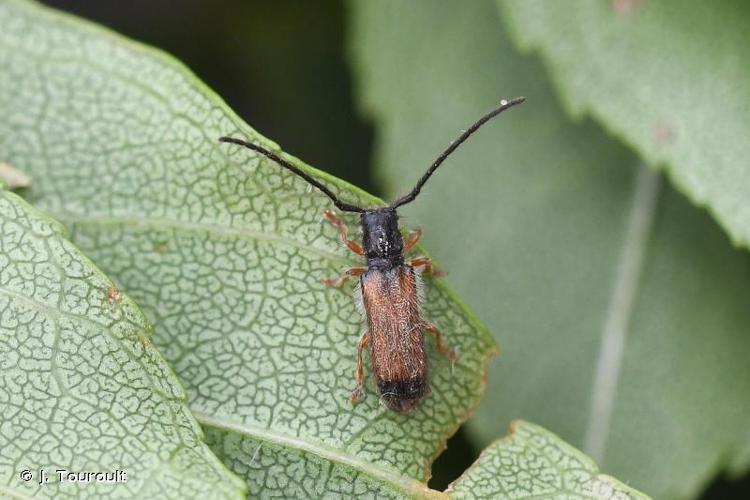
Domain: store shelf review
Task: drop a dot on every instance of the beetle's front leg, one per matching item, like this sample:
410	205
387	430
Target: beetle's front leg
426	262
360	374
344	231
337	282
412	239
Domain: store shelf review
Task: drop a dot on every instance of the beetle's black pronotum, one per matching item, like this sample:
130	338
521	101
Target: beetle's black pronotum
389	285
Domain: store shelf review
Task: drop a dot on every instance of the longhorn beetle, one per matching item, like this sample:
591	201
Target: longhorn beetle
389	285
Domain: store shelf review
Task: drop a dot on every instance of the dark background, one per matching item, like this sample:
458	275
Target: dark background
283	67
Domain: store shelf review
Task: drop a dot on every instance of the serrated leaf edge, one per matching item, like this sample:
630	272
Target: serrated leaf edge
567	448
577	109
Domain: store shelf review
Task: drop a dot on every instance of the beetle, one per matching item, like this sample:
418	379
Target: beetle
389	285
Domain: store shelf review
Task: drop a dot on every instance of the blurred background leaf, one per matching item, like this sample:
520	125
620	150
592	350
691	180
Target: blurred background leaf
670	78
619	308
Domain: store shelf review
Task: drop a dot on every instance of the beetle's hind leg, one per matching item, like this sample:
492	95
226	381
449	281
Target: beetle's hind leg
344	231
433	329
360	374
349	273
426	262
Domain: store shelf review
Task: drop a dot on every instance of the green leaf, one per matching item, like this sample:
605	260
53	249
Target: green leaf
534	463
621	309
226	253
82	387
670	78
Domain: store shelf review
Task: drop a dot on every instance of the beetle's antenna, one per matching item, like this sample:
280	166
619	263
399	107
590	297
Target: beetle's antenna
454	145
344	207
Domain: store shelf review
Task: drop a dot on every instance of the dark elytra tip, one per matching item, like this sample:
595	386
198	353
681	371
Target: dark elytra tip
402	396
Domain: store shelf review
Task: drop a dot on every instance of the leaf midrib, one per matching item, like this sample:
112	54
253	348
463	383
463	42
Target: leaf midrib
622	299
167	223
389	476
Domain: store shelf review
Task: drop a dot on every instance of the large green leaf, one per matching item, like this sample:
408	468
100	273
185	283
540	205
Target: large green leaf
81	386
533	463
621	309
670	78
226	254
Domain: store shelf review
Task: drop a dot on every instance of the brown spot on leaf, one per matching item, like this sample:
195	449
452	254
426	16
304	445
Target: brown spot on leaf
13	177
662	134
623	8
113	295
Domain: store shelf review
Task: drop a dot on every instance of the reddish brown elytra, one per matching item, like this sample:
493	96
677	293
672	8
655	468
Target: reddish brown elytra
389	285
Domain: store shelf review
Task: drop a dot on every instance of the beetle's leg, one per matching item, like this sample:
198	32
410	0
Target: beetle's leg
337	282
428	267
351	245
430	327
360	374
412	239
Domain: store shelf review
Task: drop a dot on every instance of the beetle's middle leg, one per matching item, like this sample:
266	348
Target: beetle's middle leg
349	273
433	329
360	375
426	262
344	231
